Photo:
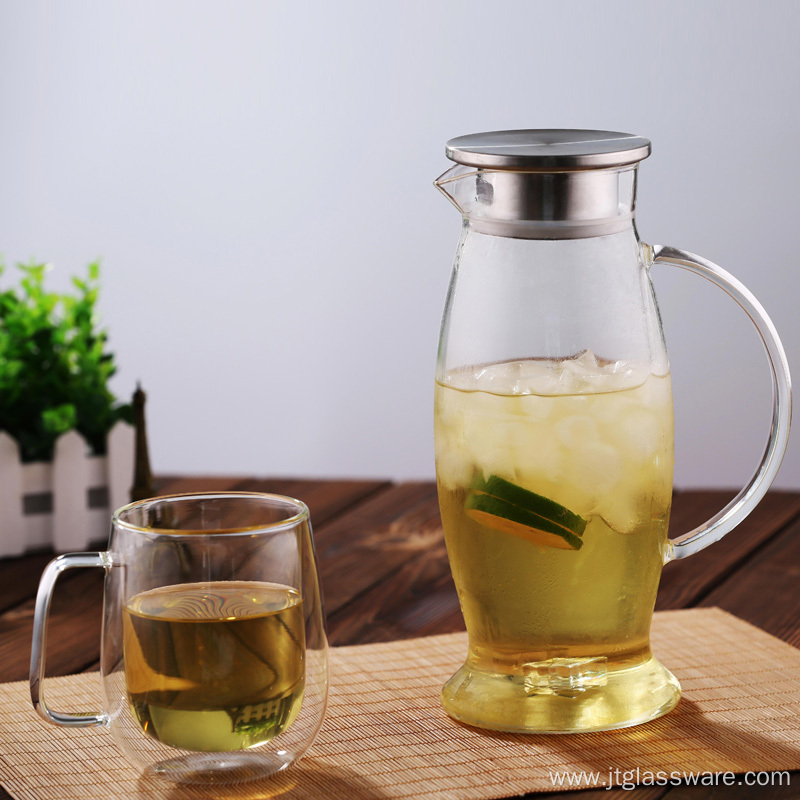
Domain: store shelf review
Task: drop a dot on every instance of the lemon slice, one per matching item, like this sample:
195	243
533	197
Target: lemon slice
529	501
500	515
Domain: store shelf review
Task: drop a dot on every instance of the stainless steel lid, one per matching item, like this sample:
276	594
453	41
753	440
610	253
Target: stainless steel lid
548	149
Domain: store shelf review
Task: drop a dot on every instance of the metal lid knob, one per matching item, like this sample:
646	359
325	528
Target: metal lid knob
548	149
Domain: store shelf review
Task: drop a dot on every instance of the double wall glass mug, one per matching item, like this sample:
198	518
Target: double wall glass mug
213	654
554	433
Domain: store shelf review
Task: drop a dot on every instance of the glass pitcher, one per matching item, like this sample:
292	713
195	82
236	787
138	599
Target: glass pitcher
554	433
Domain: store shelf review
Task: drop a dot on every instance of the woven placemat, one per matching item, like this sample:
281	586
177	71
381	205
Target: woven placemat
386	736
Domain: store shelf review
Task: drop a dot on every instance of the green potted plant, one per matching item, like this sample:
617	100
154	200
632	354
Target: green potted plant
54	373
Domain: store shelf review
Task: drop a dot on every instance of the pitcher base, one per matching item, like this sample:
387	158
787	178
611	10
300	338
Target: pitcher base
561	696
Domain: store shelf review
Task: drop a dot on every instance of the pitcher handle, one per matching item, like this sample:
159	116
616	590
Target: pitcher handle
39	643
729	517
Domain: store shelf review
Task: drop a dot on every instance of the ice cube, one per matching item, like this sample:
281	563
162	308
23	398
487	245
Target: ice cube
656	394
638	433
500	379
581	373
547	383
643	493
537	454
575	431
608	407
534	374
449	406
488	443
594	469
490	406
453	467
619	375
585	361
622	510
535	407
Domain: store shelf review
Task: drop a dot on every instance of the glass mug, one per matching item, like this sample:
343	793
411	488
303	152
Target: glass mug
214	653
554	432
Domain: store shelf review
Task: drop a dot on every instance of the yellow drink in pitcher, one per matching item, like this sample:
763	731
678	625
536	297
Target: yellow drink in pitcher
555	482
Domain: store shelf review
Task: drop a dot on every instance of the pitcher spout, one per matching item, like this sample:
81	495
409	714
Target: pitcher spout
452	185
542	204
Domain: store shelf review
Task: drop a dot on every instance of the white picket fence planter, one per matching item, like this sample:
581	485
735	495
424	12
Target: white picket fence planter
65	504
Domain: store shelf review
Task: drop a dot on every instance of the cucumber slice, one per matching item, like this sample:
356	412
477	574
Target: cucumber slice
530	501
500	515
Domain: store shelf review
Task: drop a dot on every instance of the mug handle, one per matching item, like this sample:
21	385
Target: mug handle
729	517
39	644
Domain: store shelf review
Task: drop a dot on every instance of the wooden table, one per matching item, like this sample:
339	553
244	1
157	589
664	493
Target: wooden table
385	576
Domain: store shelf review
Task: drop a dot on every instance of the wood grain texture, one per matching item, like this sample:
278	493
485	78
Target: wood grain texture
685	582
176	484
324	498
19	578
366	546
419	598
73	643
767	592
385	576
73	635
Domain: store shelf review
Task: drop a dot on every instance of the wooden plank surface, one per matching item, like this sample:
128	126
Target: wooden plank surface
686	582
324	498
767	591
368	545
385	575
73	643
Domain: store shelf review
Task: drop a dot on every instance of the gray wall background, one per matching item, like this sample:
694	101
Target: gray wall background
257	179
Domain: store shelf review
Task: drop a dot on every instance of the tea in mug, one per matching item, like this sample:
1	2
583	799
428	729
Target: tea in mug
215	666
555	482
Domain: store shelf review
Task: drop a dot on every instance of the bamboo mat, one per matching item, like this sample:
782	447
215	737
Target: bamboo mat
385	735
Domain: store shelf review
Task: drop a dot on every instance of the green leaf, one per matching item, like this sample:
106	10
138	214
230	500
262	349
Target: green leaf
54	363
60	419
